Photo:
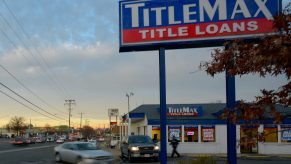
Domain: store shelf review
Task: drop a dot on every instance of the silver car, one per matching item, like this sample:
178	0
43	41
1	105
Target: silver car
82	152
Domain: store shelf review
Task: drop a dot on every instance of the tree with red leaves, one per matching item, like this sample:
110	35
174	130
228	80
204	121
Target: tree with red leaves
270	56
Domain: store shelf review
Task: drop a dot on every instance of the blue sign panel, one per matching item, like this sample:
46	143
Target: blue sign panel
286	133
149	24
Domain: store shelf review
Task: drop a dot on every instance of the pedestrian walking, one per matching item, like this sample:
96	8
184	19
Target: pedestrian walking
174	143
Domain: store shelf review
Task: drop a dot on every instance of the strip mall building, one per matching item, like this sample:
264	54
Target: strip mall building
200	131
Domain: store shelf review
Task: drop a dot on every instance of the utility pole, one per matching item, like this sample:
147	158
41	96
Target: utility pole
128	95
87	122
81	119
70	103
29	127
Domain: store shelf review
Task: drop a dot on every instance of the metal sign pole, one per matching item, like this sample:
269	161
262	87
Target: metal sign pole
163	108
231	127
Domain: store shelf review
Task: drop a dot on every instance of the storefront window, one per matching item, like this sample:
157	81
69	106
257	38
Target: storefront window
208	133
286	133
190	133
248	139
156	133
270	133
174	131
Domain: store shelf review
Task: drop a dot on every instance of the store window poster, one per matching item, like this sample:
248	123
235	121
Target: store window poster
208	134
174	131
286	133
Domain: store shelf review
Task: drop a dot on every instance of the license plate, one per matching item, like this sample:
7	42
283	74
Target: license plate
146	155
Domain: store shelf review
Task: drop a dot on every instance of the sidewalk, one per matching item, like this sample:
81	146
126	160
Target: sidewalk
219	158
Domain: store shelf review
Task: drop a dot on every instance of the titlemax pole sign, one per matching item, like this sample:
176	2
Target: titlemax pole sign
149	24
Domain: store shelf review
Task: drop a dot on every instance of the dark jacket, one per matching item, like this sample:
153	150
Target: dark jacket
174	142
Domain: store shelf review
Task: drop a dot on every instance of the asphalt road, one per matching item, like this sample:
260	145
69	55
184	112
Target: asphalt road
43	154
28	154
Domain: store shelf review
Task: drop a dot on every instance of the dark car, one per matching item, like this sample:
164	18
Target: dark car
19	141
139	146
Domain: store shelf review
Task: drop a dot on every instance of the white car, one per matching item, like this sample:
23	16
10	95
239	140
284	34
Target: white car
50	139
60	140
82	152
101	139
114	142
40	140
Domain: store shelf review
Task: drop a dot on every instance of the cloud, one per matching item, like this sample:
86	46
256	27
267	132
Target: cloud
60	57
78	40
71	21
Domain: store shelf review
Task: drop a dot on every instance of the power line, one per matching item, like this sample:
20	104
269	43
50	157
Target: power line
29	89
13	44
42	57
193	72
29	101
33	56
15	18
25	105
5	35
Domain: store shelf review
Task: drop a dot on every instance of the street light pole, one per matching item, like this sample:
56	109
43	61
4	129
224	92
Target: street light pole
128	95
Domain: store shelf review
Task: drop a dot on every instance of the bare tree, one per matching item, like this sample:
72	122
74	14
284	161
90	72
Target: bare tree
88	132
16	124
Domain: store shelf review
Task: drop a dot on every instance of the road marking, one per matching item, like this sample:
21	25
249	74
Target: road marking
30	148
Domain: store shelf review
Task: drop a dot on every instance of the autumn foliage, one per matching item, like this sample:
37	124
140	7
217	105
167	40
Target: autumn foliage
268	56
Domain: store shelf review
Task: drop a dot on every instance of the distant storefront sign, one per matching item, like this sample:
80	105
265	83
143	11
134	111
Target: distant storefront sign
113	123
185	111
113	112
149	24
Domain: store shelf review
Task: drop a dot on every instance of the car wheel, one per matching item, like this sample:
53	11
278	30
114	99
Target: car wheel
58	157
121	155
79	160
157	159
130	159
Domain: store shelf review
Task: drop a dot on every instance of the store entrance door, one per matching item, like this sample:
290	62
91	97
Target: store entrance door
248	139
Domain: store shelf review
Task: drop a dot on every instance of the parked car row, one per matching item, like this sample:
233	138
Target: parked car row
20	140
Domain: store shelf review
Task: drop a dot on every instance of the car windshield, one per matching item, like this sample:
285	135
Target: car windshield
18	139
139	139
85	146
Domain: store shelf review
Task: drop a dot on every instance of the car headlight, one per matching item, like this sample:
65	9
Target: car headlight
135	148
156	148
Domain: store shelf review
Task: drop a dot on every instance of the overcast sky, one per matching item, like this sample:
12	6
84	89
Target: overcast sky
68	49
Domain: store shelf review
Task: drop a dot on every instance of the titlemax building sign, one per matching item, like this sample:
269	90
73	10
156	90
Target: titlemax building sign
184	111
168	22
